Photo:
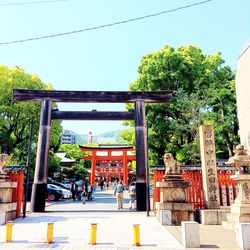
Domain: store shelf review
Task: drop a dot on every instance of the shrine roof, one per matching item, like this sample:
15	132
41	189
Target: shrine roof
108	147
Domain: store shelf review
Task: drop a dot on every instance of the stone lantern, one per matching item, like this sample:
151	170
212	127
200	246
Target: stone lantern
240	209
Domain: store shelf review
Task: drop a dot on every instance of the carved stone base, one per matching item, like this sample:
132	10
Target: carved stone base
173	191
177	212
173	177
3	177
173	202
6	188
6	204
10	209
240	209
212	216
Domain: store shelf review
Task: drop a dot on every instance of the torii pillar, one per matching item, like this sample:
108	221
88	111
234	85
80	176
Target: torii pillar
39	188
141	155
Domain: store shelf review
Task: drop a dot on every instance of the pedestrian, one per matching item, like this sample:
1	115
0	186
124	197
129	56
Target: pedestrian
118	192
101	184
73	190
84	196
89	190
132	196
79	192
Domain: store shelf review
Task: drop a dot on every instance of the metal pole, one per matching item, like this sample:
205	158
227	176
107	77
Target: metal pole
27	169
147	180
39	188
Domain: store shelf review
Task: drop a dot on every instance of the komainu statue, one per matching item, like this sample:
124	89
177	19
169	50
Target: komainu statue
171	165
3	161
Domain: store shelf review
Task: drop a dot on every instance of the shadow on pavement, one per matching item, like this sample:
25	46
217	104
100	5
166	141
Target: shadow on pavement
208	246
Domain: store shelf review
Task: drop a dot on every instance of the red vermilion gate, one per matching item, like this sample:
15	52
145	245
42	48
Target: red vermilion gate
107	156
17	193
227	187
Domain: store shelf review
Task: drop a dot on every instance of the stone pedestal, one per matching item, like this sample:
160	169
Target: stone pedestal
173	202
6	205
213	216
240	209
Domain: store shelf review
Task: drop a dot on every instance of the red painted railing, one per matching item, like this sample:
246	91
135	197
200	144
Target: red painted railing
17	193
227	187
195	192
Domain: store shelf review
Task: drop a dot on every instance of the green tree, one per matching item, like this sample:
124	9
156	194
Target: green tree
203	92
77	171
15	117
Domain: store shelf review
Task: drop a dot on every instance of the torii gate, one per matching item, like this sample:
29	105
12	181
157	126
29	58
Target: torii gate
48	96
111	153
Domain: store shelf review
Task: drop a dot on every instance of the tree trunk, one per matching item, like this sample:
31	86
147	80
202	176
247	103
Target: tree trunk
229	144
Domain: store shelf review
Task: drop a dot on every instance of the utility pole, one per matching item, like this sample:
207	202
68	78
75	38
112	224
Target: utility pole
27	169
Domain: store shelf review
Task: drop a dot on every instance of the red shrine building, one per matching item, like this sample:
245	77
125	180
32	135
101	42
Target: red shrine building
110	162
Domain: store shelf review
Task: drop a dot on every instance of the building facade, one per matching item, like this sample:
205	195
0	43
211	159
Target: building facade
68	138
243	95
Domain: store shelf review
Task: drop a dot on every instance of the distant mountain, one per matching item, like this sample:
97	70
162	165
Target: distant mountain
80	139
107	137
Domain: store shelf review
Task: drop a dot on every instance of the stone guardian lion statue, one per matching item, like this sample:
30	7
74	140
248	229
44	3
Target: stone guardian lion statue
3	161
171	165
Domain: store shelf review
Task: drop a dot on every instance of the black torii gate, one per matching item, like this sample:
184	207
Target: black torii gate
47	114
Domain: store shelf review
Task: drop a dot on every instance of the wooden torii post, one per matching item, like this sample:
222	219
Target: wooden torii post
48	96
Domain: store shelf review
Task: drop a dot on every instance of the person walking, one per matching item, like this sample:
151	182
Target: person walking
73	190
89	190
118	192
132	196
102	184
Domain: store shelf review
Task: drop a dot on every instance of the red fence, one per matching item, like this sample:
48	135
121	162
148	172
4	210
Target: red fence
227	187
17	193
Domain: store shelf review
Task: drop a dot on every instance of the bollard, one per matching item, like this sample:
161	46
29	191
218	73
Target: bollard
243	237
50	233
136	234
93	234
190	234
9	231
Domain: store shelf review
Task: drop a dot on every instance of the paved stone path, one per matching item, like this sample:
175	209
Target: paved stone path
72	222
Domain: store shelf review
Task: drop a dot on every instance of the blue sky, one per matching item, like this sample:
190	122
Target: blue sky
107	59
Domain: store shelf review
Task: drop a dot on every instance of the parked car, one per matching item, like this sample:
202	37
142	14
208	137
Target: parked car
68	185
54	192
61	185
66	193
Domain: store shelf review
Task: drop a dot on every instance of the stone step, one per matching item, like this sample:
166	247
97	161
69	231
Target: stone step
233	217
229	225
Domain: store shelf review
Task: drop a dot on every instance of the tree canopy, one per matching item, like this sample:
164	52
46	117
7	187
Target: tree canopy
203	93
78	170
15	117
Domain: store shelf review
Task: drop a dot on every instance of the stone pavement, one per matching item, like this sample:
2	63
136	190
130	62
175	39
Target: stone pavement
72	222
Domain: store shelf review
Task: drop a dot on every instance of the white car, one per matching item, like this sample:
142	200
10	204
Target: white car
66	193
